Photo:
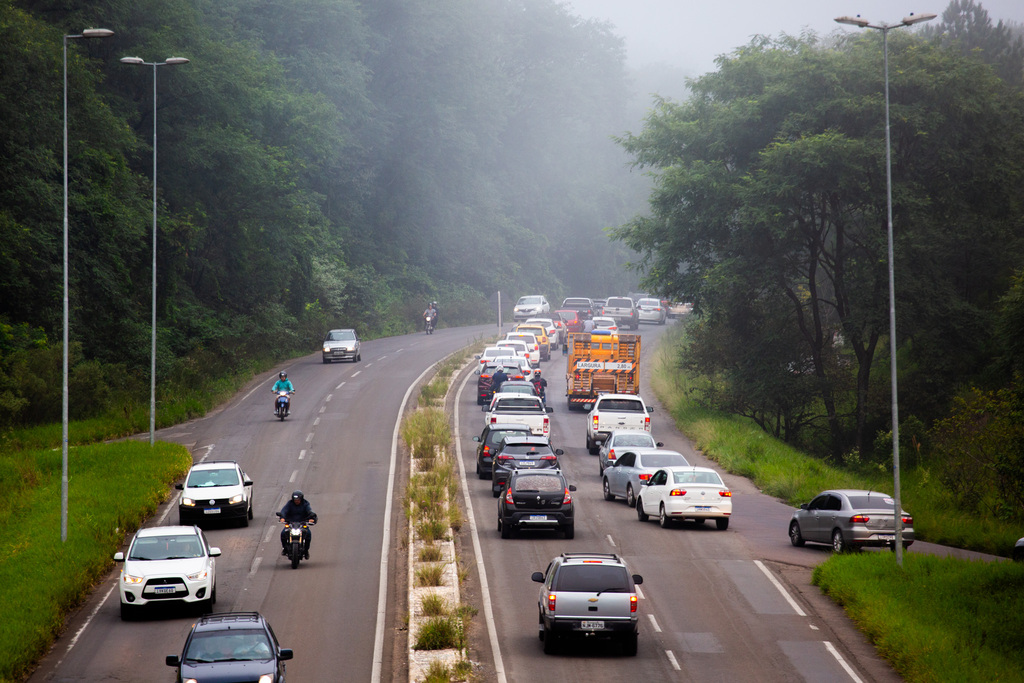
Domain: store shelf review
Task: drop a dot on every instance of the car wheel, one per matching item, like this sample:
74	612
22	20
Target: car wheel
722	523
570	531
495	492
630	496
213	595
250	510
244	521
795	537
640	514
663	519
359	357
550	642
629	644
127	612
541	631
505	529
327	361
608	495
838	543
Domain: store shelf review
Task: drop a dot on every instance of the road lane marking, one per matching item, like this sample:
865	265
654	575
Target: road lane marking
309	437
356	373
672	660
302	454
654	623
785	593
611	540
270	534
295	475
316	422
322	409
88	621
835	653
255	564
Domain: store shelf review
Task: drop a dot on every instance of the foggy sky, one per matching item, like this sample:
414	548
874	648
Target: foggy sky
689	34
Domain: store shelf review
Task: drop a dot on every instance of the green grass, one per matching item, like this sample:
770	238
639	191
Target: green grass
937	618
112	489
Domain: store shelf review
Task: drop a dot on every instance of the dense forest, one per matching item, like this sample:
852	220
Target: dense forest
770	213
321	163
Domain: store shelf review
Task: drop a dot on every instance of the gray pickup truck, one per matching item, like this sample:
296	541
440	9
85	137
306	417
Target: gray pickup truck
520	409
623	310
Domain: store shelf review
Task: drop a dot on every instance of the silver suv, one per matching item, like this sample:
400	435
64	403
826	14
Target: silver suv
585	596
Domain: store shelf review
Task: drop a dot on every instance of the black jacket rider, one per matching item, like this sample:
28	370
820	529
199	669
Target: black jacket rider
297	510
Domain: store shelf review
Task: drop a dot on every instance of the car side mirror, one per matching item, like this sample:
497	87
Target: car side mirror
803	506
285	653
559	451
247	482
650	409
483	409
180	487
588	407
658	444
572	487
477	356
118	557
214	552
172	660
476	438
637	579
538	577
549	409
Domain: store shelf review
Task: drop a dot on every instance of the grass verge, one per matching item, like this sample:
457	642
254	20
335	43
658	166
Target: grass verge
112	489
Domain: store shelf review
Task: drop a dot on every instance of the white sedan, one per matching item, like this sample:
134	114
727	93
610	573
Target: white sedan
602	322
549	325
168	564
677	493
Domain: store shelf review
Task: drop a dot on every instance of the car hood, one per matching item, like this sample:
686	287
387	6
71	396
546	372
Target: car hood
350	344
227	672
158	567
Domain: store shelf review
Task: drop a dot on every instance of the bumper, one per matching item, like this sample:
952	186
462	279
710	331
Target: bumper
184	591
200	513
863	538
572	627
536	520
688	510
339	354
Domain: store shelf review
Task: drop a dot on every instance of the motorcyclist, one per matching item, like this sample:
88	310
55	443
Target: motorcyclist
297	509
283	384
541	385
432	313
497	379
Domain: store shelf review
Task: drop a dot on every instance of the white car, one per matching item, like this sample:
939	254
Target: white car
217	489
677	493
530	306
168	564
651	311
549	325
620	441
626	476
516	348
532	345
602	322
489	354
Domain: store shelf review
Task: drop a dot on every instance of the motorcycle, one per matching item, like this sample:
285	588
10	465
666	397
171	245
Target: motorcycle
282	404
294	545
428	324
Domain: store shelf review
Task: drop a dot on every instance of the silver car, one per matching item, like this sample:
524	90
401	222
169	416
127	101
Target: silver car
849	519
341	345
633	467
621	440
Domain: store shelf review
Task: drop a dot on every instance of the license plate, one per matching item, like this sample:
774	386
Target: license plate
211	511
702	508
527	463
591	625
538	518
164	589
887	537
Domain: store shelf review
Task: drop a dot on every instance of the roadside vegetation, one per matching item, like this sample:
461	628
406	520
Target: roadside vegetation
934	619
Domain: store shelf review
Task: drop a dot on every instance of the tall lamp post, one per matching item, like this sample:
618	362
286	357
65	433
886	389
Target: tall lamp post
885	28
87	33
152	365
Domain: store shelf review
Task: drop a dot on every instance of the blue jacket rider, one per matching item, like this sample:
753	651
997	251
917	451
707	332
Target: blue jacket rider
283	384
297	509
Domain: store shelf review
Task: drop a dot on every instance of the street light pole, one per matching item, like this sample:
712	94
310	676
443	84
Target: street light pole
885	28
87	33
152	362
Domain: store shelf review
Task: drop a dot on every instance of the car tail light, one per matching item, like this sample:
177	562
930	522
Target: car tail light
548	457
596	422
632	603
567	498
504	459
611	454
647	423
508	496
645	476
907	520
493	419
859	519
486	450
551	602
677	492
547	425
725	494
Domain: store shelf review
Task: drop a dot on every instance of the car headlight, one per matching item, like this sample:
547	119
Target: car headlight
327	349
236	499
188	502
193	680
133	580
266	678
199	575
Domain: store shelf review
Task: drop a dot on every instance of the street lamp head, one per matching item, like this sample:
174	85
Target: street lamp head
917	18
176	60
853	21
132	60
97	33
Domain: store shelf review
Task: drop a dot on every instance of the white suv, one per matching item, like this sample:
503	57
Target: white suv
530	306
217	489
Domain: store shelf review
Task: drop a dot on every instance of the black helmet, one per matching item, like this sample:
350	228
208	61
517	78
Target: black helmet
297	494
283	375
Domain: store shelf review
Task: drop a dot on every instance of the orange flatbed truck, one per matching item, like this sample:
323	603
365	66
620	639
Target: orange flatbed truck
601	363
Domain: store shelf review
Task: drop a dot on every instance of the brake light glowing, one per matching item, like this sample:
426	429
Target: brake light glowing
508	496
908	520
647	423
548	457
567	498
725	494
547	424
632	603
678	492
859	519
611	454
596	422
551	602
645	476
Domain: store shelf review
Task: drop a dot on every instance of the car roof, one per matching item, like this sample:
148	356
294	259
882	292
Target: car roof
647	450
591	558
167	531
687	468
858	492
636	396
529	439
629	432
214	465
225	621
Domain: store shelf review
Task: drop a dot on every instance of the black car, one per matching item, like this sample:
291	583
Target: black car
582	304
231	646
490	440
536	499
483	380
521	453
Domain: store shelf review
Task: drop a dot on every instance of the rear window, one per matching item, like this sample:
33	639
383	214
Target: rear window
591	578
872	502
634	440
619	303
526	449
697	478
668	460
518	404
499	434
621	405
534	482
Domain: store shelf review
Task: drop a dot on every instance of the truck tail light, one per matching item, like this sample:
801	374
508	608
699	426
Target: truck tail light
632	603
547	424
551	602
647	423
493	419
595	420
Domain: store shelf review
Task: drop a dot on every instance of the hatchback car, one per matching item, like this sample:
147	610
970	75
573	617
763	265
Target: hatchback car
490	440
651	311
213	490
341	345
231	646
620	441
168	564
541	333
678	493
849	519
603	322
536	499
533	346
521	453
633	468
516	347
588	595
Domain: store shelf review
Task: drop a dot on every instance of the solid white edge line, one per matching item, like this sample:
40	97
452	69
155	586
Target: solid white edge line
88	621
492	631
255	564
835	653
316	422
382	589
672	660
654	623
785	594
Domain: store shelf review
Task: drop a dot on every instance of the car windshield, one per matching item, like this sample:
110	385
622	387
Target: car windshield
517	389
591	578
341	335
526	300
621	405
872	502
519	404
537	483
697	478
166	548
202	479
499	435
633	440
663	460
229	646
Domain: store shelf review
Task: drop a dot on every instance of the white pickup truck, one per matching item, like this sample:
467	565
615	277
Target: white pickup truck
520	409
615	411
